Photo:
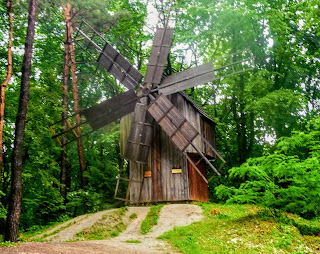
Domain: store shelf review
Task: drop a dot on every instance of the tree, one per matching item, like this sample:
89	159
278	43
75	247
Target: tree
6	81
14	210
75	94
65	84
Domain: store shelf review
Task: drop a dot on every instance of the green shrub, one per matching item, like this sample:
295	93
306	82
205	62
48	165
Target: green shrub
287	180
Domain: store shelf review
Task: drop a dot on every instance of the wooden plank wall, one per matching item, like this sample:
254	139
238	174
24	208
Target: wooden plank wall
202	125
125	125
140	191
175	186
208	131
156	167
165	185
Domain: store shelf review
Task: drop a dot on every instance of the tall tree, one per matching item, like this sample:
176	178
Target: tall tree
65	84
75	93
14	210
6	81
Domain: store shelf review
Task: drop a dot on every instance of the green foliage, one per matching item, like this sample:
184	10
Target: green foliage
275	98
151	219
133	216
287	180
304	226
3	211
133	241
240	229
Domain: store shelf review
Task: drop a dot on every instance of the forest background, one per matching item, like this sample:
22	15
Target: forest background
267	118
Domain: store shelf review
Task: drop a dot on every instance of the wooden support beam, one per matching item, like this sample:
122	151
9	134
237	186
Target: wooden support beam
196	168
117	187
53	132
206	160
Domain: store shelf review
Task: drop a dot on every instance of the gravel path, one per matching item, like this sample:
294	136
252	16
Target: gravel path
171	216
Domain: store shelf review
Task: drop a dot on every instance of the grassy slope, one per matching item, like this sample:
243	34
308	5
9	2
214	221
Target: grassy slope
240	229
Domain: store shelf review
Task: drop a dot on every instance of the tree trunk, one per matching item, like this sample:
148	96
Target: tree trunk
75	96
5	83
14	210
65	81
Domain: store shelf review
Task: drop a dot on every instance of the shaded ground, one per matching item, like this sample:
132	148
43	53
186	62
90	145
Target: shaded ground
170	216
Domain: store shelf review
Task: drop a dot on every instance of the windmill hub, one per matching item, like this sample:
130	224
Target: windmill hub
145	91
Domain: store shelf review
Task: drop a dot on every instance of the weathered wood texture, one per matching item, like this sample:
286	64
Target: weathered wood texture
164	184
158	56
110	110
204	125
125	125
198	187
186	79
175	187
141	187
157	193
140	135
180	131
119	67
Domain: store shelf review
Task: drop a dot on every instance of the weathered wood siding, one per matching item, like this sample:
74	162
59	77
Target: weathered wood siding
140	191
203	126
175	186
208	132
164	185
125	125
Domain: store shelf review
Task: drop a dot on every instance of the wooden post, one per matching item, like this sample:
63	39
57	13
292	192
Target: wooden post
75	95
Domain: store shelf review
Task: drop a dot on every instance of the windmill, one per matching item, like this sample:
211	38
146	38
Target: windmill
147	99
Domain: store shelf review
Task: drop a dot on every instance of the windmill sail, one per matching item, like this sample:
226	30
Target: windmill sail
140	136
181	132
119	67
158	56
110	110
186	79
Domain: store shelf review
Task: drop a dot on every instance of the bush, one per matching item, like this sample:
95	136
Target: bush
287	180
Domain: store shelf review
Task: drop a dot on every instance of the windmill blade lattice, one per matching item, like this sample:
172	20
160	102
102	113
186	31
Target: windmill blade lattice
110	110
119	67
173	123
136	150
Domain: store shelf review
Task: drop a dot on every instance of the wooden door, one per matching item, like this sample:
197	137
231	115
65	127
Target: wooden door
198	188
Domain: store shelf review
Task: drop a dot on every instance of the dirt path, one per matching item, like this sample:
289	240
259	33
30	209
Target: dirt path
170	216
69	233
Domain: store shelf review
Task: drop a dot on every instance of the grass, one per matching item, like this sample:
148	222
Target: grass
151	219
26	235
133	241
133	216
241	229
110	225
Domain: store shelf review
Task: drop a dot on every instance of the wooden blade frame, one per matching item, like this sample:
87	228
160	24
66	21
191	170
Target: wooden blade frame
180	131
119	67
110	110
140	136
186	79
159	54
114	62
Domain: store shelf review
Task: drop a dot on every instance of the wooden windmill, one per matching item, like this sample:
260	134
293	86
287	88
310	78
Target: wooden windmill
149	103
